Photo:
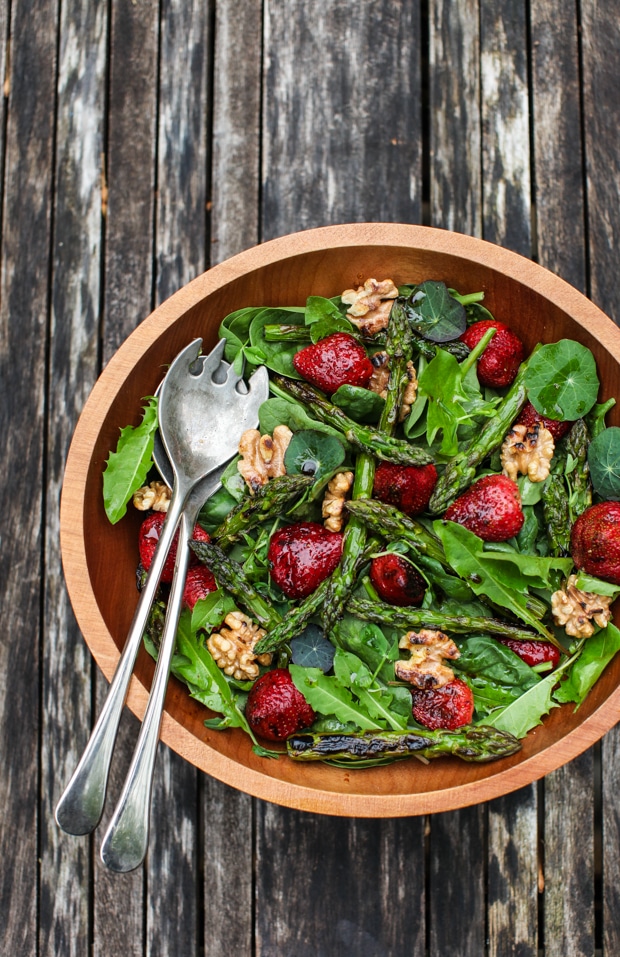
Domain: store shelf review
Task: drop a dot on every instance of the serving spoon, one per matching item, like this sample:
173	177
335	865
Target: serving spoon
197	445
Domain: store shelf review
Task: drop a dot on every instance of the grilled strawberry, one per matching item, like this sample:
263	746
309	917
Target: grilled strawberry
595	541
198	584
529	416
533	652
491	509
450	706
499	363
408	487
334	361
148	536
275	708
301	556
396	580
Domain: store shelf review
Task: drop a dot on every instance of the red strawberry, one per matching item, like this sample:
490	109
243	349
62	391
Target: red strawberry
450	706
275	708
148	536
533	652
301	556
334	361
491	509
499	363
529	416
595	541
408	487
396	580
198	584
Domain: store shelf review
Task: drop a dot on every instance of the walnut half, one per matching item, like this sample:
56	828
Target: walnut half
370	304
232	647
262	456
527	450
155	496
575	610
338	489
425	669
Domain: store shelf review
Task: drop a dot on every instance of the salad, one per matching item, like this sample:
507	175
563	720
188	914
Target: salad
417	551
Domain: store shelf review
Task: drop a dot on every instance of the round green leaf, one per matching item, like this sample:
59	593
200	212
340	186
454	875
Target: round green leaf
311	649
604	462
313	453
434	314
561	380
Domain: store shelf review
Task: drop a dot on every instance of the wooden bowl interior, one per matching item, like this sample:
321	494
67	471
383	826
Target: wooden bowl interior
111	552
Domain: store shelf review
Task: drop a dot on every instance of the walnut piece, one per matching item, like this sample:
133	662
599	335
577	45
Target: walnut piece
155	496
232	647
337	492
410	393
380	378
262	456
527	450
370	304
425	668
575	610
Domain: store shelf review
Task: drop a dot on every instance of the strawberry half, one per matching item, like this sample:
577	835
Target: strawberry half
499	363
148	536
275	708
595	541
301	555
491	509
334	361
450	706
529	416
408	487
532	651
396	580
198	584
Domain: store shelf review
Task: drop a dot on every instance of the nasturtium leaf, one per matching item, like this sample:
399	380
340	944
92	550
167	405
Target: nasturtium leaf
127	467
313	453
312	649
362	405
561	380
434	313
604	462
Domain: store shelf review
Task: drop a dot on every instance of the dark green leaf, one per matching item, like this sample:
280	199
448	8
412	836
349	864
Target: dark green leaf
597	652
561	380
363	405
279	411
434	313
277	356
604	462
313	453
128	466
311	649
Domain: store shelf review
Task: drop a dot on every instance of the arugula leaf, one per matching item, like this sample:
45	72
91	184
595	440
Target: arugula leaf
128	466
484	573
324	317
209	612
604	462
596	654
363	405
352	672
527	711
311	452
596	585
561	380
522	571
327	696
434	313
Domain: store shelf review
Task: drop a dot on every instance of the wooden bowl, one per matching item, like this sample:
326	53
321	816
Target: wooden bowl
99	559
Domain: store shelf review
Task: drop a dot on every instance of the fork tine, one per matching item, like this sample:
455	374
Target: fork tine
259	379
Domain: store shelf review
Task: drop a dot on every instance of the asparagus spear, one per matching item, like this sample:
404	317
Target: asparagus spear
556	515
266	504
429	349
460	470
389	522
383	614
470	743
577	442
231	576
364	437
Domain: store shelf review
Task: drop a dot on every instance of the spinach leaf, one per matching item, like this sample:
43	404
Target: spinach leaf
235	329
327	696
280	411
128	466
604	462
484	657
215	509
311	452
596	654
277	356
434	313
233	481
561	380
363	405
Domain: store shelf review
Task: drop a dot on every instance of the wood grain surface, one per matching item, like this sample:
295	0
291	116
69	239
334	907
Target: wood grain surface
142	141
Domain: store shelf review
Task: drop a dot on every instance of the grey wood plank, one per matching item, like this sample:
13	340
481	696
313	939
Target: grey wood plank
505	125
454	116
235	178
342	114
77	248
513	875
24	316
360	893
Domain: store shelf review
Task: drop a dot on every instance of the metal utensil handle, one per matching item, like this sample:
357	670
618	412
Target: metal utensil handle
125	843
80	807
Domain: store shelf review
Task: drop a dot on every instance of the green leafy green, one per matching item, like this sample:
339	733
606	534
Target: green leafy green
596	585
595	655
363	405
484	657
527	711
279	411
328	696
311	452
324	317
434	313
604	462
210	612
128	466
277	356
312	649
561	380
